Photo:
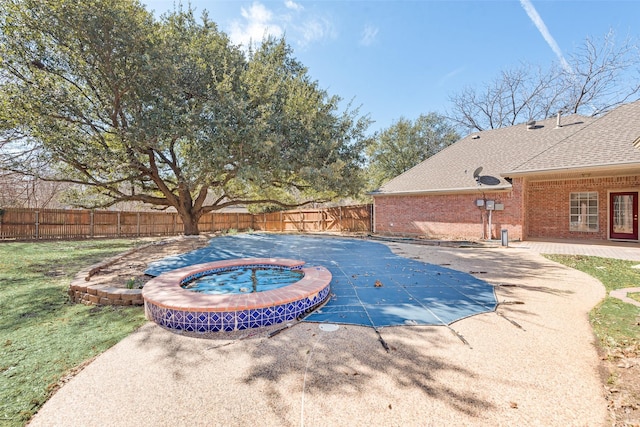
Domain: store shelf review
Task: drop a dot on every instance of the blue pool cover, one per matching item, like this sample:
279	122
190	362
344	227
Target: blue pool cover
371	286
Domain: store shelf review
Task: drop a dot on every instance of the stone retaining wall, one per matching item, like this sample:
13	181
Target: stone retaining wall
82	291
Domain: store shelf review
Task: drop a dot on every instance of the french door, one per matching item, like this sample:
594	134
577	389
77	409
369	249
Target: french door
623	219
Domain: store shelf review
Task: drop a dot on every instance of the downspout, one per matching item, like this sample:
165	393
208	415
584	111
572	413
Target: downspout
373	216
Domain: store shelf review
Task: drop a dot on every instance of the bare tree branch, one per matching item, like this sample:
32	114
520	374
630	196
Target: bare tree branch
602	76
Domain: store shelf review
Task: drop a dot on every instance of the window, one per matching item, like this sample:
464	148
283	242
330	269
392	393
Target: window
584	212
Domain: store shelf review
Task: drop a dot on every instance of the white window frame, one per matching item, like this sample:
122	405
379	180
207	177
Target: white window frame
583	211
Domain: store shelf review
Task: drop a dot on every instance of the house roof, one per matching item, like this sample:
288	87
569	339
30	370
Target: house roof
606	142
581	142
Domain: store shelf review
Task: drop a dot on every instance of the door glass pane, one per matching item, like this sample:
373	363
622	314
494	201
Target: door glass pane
623	214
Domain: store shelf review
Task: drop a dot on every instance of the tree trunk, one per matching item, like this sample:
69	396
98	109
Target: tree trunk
190	224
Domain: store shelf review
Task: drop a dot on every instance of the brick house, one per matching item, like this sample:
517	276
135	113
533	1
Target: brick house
570	177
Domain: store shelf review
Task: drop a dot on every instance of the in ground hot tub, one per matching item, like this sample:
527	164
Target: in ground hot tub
176	308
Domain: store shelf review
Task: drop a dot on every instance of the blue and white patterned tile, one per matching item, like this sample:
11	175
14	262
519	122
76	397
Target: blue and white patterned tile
229	317
215	318
280	310
255	314
242	316
229	321
290	307
242	325
201	320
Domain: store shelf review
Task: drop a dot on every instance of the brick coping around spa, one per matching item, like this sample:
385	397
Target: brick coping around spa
165	290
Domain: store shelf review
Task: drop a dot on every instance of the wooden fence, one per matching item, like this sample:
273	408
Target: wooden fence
41	224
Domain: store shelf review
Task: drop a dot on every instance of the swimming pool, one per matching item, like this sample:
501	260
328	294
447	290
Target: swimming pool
412	292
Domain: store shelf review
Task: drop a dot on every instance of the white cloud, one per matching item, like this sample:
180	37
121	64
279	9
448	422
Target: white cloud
301	27
540	25
258	23
369	35
290	4
313	30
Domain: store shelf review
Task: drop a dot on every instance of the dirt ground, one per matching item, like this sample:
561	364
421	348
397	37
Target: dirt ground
620	367
130	269
622	385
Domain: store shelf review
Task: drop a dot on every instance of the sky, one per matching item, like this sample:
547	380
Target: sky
400	59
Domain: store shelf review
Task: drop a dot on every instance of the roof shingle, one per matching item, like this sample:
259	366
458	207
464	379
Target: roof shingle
580	142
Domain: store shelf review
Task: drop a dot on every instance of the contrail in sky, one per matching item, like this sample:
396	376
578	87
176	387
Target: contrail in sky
539	23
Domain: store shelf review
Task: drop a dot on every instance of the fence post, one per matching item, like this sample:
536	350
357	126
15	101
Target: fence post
37	224
118	224
138	224
175	224
91	224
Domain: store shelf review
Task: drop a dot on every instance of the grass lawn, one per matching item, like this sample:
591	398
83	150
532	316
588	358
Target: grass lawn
614	322
43	335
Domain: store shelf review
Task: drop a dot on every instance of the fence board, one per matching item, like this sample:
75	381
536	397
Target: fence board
38	224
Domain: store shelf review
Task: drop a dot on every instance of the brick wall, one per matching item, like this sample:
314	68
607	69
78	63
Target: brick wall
449	216
547	213
455	216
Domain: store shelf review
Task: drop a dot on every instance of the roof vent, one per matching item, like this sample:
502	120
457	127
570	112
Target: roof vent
558	124
531	124
476	136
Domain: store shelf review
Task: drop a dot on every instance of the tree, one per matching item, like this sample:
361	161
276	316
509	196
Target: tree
598	77
28	192
166	112
405	144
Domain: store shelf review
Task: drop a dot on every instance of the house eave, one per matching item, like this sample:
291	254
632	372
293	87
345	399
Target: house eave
443	191
629	167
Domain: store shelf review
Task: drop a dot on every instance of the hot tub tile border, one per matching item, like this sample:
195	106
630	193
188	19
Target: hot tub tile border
243	311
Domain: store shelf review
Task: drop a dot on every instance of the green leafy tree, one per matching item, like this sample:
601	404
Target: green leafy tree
405	144
166	111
